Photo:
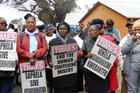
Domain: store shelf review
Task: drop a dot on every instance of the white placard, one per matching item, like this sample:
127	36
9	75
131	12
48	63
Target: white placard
33	78
104	54
63	58
8	53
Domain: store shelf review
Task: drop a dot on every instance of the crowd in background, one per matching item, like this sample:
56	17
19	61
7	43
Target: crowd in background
36	43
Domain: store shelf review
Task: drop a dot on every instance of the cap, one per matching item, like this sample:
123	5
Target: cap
129	24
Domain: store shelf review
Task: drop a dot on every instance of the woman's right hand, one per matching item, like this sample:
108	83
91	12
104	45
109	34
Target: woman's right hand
135	38
89	55
51	64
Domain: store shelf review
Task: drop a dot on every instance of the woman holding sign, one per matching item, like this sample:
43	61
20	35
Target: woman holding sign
65	83
95	83
31	44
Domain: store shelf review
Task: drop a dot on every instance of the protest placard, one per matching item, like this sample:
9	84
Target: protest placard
8	53
33	78
104	55
63	58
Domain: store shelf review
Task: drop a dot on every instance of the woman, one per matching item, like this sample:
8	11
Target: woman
66	83
5	82
95	83
132	48
31	47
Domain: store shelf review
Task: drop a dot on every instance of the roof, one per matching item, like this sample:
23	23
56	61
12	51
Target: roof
126	9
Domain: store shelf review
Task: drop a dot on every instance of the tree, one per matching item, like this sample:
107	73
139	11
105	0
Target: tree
48	11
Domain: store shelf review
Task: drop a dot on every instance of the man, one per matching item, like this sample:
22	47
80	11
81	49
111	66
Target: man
121	59
112	31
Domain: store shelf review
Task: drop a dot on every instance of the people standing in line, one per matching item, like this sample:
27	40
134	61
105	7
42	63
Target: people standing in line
110	30
49	29
5	82
131	48
125	59
66	83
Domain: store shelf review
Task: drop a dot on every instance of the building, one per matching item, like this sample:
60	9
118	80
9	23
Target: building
119	12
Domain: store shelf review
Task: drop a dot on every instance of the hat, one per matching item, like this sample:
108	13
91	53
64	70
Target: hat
136	23
48	26
74	29
129	24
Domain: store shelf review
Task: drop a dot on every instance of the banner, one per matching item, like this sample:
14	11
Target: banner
63	58
8	53
33	78
104	55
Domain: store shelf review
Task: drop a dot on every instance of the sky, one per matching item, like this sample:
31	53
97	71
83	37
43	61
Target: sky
10	13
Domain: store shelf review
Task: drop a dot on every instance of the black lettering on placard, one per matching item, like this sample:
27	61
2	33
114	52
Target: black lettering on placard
6	45
5	63
34	83
101	61
70	54
59	56
65	60
97	68
64	66
33	74
105	54
3	55
62	71
35	90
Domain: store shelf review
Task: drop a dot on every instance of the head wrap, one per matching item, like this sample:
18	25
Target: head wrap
48	26
74	29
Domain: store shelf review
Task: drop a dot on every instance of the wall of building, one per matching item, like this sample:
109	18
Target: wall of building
105	13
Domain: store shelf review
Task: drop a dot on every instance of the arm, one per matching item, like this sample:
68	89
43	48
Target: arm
20	51
127	46
42	51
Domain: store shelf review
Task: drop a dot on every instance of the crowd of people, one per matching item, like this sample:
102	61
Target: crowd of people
34	44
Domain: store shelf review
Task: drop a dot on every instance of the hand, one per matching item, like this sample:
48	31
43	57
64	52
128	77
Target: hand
51	64
109	34
32	62
89	55
31	55
76	61
135	38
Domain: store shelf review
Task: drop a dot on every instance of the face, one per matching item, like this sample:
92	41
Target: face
130	30
109	27
93	31
3	25
30	23
63	31
136	30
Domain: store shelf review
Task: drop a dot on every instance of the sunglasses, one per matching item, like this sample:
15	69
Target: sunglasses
3	23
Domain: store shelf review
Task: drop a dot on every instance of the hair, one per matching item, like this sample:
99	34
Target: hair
136	23
99	22
110	22
31	17
63	23
12	26
1	18
27	15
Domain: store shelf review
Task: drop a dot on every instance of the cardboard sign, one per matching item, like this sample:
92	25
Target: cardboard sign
104	55
63	58
8	53
33	78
